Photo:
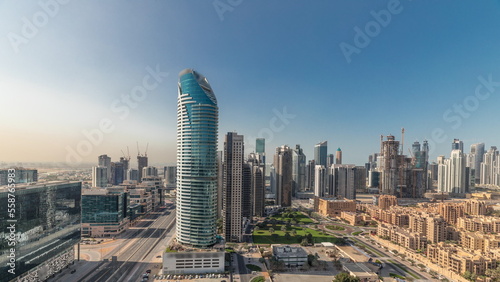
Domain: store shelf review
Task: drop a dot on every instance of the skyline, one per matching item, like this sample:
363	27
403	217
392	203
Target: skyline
261	59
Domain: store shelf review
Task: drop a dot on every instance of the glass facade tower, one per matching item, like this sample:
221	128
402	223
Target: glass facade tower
197	126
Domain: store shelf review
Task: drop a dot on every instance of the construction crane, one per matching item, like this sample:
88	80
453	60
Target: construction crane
146	152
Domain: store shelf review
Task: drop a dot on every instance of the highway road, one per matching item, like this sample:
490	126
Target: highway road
130	260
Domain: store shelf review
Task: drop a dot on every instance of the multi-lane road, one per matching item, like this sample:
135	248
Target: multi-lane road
129	260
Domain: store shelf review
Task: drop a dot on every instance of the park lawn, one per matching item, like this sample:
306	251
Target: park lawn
335	227
263	236
299	217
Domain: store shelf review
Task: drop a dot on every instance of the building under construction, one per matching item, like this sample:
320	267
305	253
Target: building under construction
402	176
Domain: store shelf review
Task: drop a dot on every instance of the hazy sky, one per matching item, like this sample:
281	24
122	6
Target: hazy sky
343	71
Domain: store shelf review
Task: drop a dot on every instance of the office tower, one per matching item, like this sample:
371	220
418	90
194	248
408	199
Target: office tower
338	156
233	187
452	173
170	176
104	213
330	159
260	146
298	170
320	152
476	158
197	126
220	183
258	184
132	174
125	162
105	161
344	179
22	175
99	176
310	173
490	167
47	228
272	180
142	162
373	179
149	171
246	192
457	145
433	170
389	166
320	177
117	173
283	166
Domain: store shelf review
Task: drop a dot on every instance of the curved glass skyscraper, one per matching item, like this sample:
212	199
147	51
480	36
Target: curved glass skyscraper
197	126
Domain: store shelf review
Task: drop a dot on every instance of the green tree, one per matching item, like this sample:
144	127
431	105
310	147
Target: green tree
271	230
283	228
287	235
257	228
469	276
294	232
494	274
345	277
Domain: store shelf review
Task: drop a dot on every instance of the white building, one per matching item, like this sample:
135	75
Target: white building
193	262
452	173
99	176
320	178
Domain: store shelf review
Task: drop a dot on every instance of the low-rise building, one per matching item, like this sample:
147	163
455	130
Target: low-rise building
291	256
360	271
193	262
334	207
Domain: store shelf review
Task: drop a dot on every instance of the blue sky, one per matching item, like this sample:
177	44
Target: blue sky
62	77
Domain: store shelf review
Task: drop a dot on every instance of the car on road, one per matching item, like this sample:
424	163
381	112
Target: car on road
148	271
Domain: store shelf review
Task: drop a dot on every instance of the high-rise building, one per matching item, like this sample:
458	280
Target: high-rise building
99	176
149	171
389	166
105	161
47	228
344	179
476	158
320	181
132	174
310	174
452	173
283	166
260	146
490	167
117	173
320	153
220	183
170	176
330	159
197	126
258	184
338	156
457	145
142	162
233	187
298	170
246	192
125	162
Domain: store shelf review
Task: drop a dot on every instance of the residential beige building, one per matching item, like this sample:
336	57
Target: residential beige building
334	208
458	260
386	201
485	224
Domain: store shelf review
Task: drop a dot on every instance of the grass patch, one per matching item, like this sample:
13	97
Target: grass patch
297	216
253	267
394	275
258	279
263	236
335	227
373	250
357	233
398	265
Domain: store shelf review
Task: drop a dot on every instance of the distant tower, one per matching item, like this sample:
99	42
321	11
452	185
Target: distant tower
298	170
99	176
320	153
338	156
142	162
105	161
457	145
